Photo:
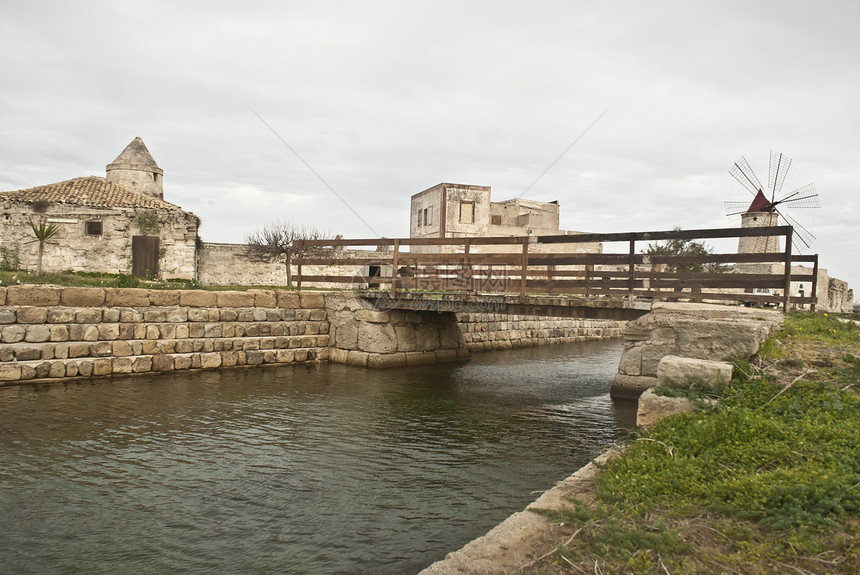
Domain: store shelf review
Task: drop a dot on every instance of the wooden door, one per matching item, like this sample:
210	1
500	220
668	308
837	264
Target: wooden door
144	256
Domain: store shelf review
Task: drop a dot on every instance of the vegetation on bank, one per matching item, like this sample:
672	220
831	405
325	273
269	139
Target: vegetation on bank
99	279
765	480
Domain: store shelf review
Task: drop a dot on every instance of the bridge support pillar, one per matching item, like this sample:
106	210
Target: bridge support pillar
368	335
688	330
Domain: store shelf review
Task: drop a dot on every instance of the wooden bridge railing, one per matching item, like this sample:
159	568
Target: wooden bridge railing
564	264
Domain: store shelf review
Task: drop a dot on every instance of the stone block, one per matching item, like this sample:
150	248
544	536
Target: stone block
121	349
355	357
28	353
29	314
85	368
652	407
235	299
167	331
6	353
7	316
719	339
111	315
88	316
385	360
122	365
213	360
177	315
196	314
60	315
126	331
184	346
211	330
38	333
126	297
152	332
163	298
264	298
229	358
150	347
631	360
129	315
336	355
59	333
652	352
25	295
82	297
141	364
377	338
312	300
162	363
287	299
198	298
372	316
182	331
155	315
61	351
71	369
79	349
182	362
108	331
675	369
303	355
420	358
274	315
284	355
102	366
101	349
2	295
631	386
57	369
228	315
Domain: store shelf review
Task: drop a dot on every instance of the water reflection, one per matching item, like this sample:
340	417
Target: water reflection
302	469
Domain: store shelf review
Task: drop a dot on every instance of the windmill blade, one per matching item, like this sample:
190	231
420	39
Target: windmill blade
742	172
805	197
779	165
736	208
802	238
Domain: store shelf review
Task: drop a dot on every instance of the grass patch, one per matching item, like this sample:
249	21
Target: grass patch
765	481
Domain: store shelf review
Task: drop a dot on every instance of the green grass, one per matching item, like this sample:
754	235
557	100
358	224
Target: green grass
766	480
99	279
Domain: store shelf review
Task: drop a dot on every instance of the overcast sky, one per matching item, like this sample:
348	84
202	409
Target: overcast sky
306	111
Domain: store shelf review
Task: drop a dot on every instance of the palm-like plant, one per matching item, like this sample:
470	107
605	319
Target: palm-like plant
43	232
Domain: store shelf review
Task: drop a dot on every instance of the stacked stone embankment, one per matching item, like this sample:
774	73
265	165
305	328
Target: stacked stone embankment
494	331
59	332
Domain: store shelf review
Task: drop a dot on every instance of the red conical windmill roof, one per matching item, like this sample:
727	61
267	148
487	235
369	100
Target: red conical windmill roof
759	204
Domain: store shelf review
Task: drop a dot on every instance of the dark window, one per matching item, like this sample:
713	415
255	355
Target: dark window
94	228
419	217
497	220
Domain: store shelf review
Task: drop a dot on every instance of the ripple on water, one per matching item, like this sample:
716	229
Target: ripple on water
303	469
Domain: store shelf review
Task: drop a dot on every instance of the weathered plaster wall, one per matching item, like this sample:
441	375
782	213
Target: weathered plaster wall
73	249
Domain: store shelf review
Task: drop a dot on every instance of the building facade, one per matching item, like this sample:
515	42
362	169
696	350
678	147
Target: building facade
116	224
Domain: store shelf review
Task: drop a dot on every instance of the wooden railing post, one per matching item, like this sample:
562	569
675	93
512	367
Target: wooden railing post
814	290
394	264
786	294
300	254
524	265
631	265
467	267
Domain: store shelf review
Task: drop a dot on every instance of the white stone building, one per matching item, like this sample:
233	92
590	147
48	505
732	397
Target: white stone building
116	224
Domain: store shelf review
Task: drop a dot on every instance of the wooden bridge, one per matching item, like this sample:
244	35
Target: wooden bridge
527	269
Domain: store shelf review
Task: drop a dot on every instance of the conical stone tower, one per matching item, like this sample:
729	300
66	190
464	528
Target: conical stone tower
136	170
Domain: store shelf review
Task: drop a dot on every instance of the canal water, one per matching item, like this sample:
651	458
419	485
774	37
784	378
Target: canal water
297	469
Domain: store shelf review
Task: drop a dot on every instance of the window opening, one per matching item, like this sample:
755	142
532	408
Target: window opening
94	228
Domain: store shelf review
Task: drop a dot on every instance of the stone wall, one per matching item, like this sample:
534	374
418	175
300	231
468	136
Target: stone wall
56	332
364	335
492	331
228	264
688	330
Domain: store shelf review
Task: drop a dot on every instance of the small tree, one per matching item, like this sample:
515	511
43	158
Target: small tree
277	239
681	247
43	232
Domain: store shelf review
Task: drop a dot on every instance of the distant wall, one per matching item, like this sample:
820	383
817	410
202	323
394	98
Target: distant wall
494	331
228	264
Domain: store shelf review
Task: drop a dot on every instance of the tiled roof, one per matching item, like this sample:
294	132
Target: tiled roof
90	191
